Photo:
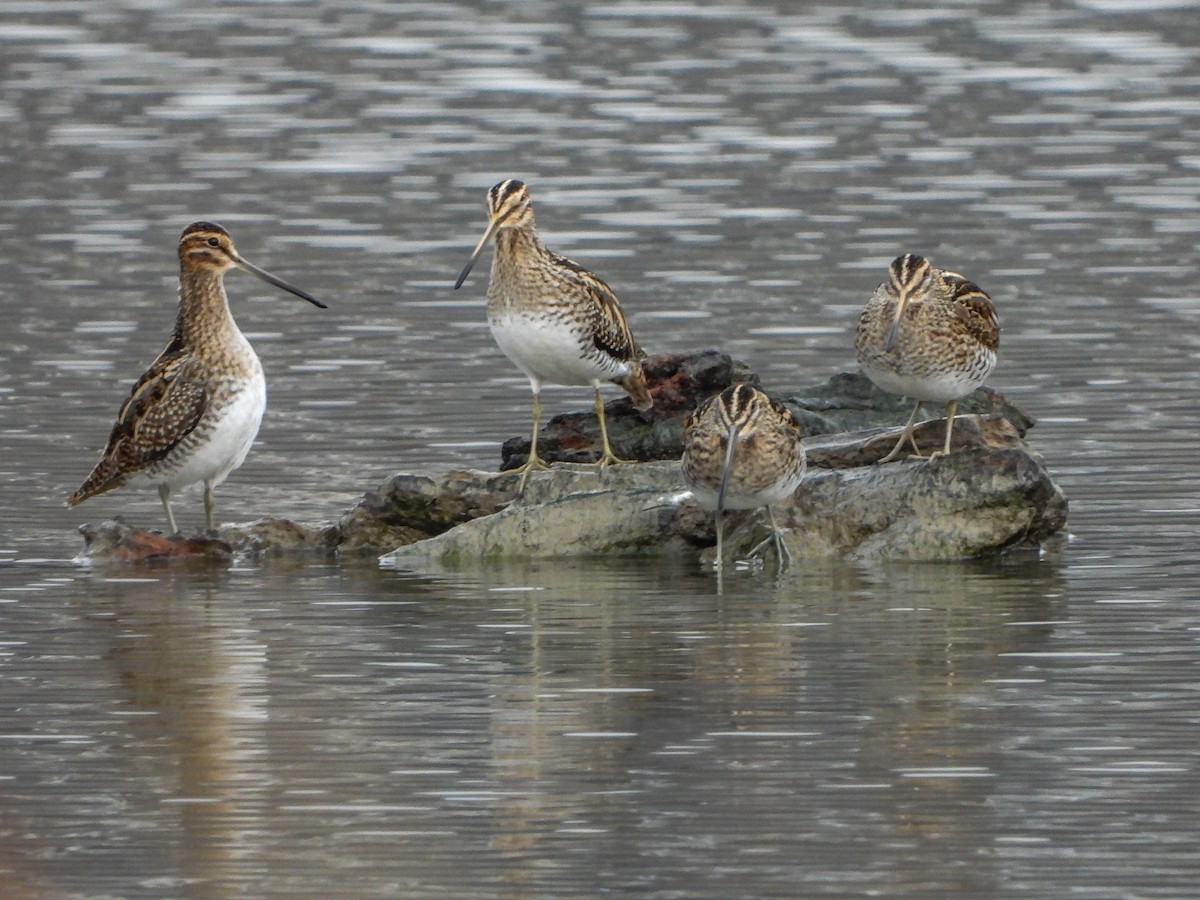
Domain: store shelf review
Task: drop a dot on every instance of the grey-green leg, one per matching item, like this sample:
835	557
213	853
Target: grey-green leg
906	435
534	462
164	494
208	505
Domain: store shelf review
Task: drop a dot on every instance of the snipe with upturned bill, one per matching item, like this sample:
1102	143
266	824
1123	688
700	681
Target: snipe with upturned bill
927	334
195	412
554	319
742	450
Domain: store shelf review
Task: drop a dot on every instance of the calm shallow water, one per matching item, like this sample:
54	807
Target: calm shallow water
742	174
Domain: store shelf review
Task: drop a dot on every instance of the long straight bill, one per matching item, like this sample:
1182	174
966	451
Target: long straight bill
475	255
277	281
894	330
726	469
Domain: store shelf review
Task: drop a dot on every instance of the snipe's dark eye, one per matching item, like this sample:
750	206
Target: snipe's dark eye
214	242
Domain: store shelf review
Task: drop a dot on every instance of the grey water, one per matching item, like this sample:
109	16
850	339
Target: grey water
741	173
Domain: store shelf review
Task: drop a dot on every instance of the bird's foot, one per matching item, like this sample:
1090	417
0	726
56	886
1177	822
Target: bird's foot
608	458
897	450
534	463
759	551
530	464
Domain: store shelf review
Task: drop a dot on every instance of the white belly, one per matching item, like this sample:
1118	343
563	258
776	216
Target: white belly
941	387
734	499
219	443
551	351
739	496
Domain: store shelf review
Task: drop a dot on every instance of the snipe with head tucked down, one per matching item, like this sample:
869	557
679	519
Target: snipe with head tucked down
927	334
553	318
195	412
742	450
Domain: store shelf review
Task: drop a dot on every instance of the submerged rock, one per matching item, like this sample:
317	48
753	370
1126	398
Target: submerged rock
990	493
280	536
114	540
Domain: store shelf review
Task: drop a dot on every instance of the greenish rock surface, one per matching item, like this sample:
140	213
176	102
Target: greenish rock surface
991	493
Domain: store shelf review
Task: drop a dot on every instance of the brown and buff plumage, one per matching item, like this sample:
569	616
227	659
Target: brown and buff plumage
193	414
558	322
927	334
742	450
164	407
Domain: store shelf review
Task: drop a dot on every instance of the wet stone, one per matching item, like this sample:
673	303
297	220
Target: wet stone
678	382
991	493
117	542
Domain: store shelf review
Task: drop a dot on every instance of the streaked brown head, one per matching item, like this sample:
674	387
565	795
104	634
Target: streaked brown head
508	206
909	276
206	245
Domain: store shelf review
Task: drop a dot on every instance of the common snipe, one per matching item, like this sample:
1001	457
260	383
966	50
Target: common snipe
927	334
195	412
553	318
742	450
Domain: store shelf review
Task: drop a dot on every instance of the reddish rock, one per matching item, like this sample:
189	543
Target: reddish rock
118	542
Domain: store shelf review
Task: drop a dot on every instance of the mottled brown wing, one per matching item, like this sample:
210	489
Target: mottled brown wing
610	330
785	418
873	322
162	409
975	309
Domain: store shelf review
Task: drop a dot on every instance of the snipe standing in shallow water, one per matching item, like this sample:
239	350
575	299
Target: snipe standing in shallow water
927	334
195	412
553	318
742	450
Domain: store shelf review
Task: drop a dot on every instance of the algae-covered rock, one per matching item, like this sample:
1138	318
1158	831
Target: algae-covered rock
569	511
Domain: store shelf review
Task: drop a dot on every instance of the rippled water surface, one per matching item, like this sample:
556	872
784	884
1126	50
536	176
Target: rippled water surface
741	173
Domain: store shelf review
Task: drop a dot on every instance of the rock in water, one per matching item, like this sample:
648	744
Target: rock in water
114	541
117	542
991	493
576	513
678	382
